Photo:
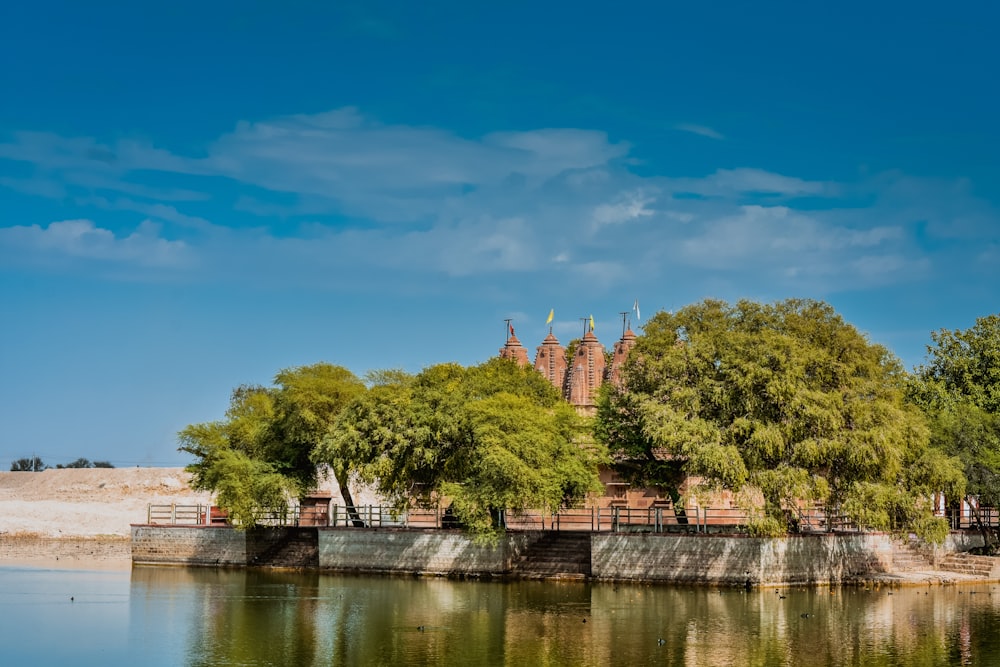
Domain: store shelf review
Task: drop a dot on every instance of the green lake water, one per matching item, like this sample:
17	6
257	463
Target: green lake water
175	616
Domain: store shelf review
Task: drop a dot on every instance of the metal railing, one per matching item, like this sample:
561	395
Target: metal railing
655	519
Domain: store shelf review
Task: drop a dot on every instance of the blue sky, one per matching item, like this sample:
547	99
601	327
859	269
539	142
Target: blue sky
196	195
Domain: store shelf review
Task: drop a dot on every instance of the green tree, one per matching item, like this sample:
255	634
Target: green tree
79	463
487	438
780	404
959	389
261	453
31	464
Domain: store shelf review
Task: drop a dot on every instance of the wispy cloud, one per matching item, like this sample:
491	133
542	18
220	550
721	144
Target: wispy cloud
735	182
702	130
339	195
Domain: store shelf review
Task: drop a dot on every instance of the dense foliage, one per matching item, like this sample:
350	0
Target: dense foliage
28	464
261	453
483	439
782	405
959	389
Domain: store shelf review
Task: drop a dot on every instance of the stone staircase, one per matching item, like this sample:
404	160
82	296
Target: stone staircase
907	557
556	555
969	564
296	548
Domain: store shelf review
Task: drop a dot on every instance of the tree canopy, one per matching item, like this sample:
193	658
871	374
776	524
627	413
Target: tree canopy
486	438
959	389
783	403
261	453
28	464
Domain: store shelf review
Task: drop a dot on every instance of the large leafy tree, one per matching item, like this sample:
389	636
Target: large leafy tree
487	438
261	452
780	404
959	389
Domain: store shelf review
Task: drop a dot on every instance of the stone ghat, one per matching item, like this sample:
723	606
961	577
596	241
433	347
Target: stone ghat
656	558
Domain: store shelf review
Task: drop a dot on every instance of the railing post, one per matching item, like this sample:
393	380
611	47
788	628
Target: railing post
173	514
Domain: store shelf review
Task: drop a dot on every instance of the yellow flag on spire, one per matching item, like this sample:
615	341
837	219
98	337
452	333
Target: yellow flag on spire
591	322
552	313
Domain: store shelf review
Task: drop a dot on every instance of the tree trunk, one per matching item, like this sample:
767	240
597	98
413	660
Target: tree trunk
345	492
675	502
987	531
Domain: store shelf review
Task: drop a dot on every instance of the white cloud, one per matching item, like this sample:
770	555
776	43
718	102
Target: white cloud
793	245
629	206
384	200
82	239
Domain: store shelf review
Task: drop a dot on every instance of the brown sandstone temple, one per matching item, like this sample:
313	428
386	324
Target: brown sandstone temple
578	378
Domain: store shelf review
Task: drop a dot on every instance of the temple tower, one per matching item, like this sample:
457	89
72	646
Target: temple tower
622	348
514	350
586	374
550	361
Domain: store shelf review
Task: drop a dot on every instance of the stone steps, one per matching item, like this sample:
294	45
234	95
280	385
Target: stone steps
907	557
298	548
555	554
963	563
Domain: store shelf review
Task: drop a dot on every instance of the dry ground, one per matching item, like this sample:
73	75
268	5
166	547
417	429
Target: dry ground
88	502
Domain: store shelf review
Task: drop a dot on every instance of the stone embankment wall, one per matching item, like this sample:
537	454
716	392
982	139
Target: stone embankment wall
737	559
709	559
434	552
203	545
188	545
437	552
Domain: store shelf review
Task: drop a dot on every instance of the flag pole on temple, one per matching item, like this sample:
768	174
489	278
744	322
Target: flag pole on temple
509	331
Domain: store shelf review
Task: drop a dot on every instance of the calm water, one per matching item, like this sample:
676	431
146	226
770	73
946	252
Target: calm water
173	616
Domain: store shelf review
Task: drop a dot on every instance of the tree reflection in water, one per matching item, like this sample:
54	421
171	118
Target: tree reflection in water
282	618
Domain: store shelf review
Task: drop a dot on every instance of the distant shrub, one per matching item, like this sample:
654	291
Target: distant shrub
33	464
79	463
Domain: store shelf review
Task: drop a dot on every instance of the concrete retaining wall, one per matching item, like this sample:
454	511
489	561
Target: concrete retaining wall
735	559
417	551
726	560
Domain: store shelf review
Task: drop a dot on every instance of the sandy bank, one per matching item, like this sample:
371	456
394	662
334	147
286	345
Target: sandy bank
87	503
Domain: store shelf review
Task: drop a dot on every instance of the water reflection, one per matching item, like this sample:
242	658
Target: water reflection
261	618
176	616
